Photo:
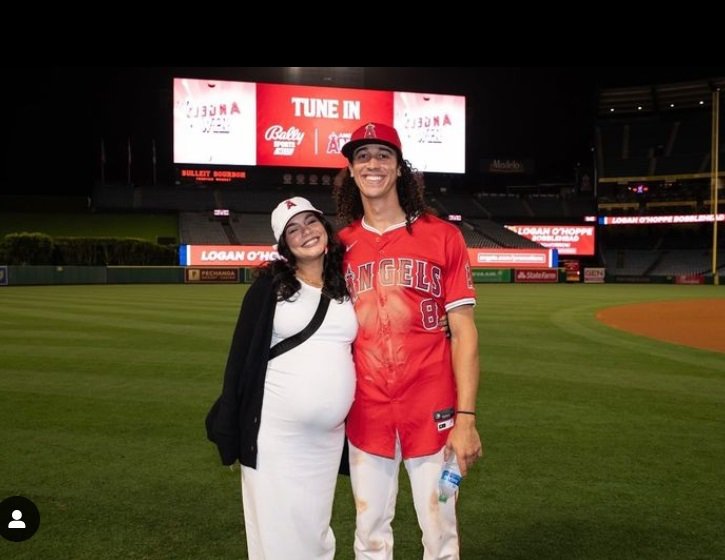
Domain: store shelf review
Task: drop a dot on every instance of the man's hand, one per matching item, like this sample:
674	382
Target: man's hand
465	442
443	325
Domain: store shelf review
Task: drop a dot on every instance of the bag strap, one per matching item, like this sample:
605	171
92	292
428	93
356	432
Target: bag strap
297	339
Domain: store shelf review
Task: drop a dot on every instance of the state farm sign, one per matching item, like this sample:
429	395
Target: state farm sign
536	276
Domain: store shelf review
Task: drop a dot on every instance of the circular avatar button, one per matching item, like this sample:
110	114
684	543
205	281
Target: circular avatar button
19	518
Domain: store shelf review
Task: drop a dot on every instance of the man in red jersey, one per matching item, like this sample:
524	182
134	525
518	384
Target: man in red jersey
415	398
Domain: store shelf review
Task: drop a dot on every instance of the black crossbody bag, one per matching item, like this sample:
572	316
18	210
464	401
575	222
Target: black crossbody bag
296	339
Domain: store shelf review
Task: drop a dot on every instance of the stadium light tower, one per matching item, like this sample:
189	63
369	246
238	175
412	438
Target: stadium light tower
714	179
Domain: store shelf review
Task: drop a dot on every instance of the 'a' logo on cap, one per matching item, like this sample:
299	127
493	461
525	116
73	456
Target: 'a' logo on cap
370	131
289	204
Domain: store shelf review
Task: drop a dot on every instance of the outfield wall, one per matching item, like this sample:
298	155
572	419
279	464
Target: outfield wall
45	275
59	275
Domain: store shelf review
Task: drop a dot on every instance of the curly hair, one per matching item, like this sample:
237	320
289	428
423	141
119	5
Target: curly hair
409	186
282	270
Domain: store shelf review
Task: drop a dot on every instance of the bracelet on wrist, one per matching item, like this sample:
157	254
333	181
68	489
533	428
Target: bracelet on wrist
472	413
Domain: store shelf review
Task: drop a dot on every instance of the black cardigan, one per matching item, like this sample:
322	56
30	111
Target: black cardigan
235	426
233	422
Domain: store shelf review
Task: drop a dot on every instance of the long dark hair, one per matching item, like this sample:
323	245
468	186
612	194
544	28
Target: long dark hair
410	188
282	270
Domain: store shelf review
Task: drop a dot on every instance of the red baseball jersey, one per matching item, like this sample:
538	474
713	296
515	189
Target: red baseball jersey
401	284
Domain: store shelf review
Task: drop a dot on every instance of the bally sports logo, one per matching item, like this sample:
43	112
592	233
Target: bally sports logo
284	141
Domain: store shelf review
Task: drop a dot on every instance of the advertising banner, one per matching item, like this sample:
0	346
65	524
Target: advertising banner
572	268
594	275
211	275
549	276
219	123
566	239
511	258
507	166
307	125
254	255
689	279
654	220
491	275
432	129
225	255
215	122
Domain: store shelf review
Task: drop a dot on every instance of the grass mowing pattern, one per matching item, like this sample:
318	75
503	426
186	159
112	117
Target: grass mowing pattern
599	444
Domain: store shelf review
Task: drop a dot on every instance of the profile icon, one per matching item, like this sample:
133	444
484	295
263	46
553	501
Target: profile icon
17	523
19	518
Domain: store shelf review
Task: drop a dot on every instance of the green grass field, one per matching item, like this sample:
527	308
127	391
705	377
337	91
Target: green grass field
599	444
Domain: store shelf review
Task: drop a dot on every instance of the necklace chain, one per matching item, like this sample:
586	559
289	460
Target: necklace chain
316	284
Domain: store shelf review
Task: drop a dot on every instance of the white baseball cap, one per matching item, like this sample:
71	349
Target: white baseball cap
288	209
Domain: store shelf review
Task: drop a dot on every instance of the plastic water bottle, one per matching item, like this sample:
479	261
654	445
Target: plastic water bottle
450	479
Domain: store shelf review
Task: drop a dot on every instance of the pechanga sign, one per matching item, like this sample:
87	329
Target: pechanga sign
195	275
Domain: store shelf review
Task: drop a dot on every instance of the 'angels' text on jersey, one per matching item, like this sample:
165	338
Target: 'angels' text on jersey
401	271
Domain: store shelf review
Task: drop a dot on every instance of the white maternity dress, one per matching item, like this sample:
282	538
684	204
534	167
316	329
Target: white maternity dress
308	392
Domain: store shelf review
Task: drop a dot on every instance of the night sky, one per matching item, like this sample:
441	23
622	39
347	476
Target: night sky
58	115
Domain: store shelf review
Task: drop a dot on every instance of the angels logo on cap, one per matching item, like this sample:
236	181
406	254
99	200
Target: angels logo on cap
373	133
286	210
370	130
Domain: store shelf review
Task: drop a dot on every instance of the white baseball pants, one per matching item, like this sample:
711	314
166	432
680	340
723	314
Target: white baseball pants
375	488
